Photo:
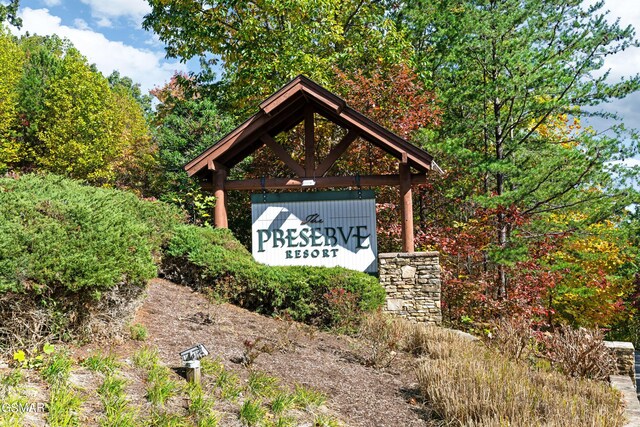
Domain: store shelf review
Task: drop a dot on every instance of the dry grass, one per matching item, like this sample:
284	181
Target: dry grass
467	384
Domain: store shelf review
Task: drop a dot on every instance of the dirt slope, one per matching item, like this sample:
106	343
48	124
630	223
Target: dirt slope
178	318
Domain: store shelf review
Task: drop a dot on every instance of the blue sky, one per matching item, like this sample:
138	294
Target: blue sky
109	34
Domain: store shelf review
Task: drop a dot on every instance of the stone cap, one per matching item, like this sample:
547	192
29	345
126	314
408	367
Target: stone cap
428	254
619	344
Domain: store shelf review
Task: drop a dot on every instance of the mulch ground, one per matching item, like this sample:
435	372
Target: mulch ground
177	318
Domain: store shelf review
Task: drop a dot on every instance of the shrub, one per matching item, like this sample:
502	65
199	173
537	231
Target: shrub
69	252
574	352
203	257
381	337
579	352
513	337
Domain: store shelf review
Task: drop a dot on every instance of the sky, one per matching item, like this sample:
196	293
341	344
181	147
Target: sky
109	33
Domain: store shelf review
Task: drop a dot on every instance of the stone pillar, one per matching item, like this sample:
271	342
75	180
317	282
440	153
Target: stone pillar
412	282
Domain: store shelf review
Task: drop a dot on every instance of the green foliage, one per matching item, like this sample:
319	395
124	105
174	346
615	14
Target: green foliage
322	420
12	59
59	114
64	406
305	397
282	402
201	406
229	384
57	235
222	262
264	45
12	392
160	387
146	358
261	384
103	364
57	369
9	13
251	412
185	124
138	332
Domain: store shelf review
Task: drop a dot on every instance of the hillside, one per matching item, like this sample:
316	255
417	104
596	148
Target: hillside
176	318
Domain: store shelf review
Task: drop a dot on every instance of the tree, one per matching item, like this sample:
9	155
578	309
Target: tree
185	124
9	13
70	120
504	70
12	59
262	45
116	82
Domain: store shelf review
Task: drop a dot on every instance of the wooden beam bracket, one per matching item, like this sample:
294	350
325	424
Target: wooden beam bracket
282	154
335	153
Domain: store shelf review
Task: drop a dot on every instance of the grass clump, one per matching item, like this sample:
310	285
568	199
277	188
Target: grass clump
138	332
160	387
474	385
102	364
306	397
118	412
64	406
211	367
146	358
163	419
282	402
261	384
322	420
203	255
12	394
283	421
229	385
201	407
57	368
251	413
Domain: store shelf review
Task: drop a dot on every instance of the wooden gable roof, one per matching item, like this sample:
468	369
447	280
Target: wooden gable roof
285	109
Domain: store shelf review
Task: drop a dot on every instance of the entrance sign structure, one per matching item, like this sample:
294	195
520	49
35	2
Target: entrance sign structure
294	103
329	228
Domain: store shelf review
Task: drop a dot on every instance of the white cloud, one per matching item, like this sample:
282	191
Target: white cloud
104	22
52	3
107	11
81	24
144	66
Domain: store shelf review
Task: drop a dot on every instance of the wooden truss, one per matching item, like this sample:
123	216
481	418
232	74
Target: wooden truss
299	101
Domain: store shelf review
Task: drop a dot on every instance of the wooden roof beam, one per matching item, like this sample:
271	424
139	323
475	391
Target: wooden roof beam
335	153
282	154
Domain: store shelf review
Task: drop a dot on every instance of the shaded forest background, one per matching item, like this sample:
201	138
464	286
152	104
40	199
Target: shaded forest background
532	214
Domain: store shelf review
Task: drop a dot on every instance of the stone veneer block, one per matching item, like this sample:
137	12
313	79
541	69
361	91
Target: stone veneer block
412	282
624	353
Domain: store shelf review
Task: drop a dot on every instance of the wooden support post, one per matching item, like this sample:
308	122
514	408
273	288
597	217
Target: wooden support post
220	210
406	205
309	143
